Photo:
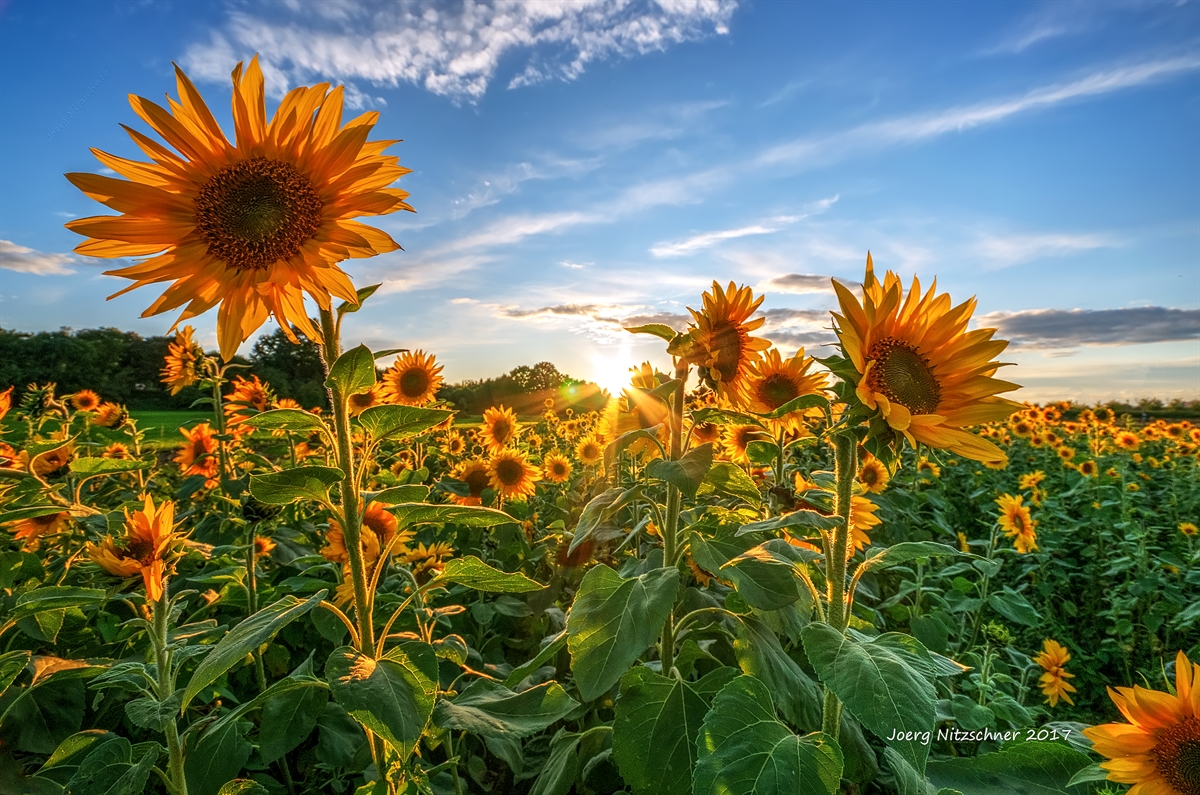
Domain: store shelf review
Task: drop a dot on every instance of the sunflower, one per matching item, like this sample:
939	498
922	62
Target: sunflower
1188	528
361	401
263	545
85	400
181	365
110	415
499	428
1127	440
1158	751
774	381
429	557
873	475
511	475
1023	428
736	439
1066	453
117	450
1031	481
248	394
1087	468
556	467
919	368
475	474
1014	517
703	432
453	444
51	461
589	451
720	340
927	466
378	534
198	453
147	543
1053	659
5	401
253	225
34	528
413	379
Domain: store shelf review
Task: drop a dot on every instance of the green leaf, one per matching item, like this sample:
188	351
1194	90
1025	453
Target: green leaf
353	373
1089	773
150	713
288	719
688	472
618	445
32	512
247	636
878	686
613	620
759	654
392	696
220	755
474	573
70	753
1014	607
762	452
1024	768
797	404
906	551
490	709
91	466
109	769
765	575
664	714
599	510
918	657
731	479
548	651
745	750
401	422
660	330
243	786
297	420
55	597
290	485
362	294
562	765
724	417
414	513
908	781
400	494
790	521
11	665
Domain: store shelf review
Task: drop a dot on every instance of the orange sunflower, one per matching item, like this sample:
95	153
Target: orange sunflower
361	401
34	528
499	428
1158	751
736	439
198	453
556	467
1017	523
873	475
248	394
182	362
774	381
919	368
1053	658
512	476
413	379
254	225
589	451
5	401
110	415
721	343
1127	440
475	474
148	539
85	400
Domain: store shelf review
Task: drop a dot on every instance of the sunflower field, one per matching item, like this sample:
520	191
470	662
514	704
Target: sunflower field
864	573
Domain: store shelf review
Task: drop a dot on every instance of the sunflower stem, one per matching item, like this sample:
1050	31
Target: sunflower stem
177	782
670	529
837	615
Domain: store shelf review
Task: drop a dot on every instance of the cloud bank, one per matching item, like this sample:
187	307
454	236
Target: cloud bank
1072	328
26	260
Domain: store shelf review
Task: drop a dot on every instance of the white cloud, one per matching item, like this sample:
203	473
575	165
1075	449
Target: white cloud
709	239
664	123
919	127
26	260
452	50
492	187
575	266
1015	249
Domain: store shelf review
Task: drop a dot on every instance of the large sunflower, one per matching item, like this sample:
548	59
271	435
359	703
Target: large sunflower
721	341
1158	751
512	476
413	379
775	381
919	368
499	428
254	225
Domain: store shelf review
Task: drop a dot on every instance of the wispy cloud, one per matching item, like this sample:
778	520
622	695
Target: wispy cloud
1015	249
710	239
799	284
1072	328
919	127
491	188
601	321
661	124
455	49
25	260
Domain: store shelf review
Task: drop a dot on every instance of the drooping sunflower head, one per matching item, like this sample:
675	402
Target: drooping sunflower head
721	345
110	415
5	401
181	365
249	395
145	548
197	454
1158	750
413	379
499	427
512	476
556	467
775	381
32	529
85	400
254	225
918	373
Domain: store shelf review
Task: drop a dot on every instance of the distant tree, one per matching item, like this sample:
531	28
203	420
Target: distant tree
293	369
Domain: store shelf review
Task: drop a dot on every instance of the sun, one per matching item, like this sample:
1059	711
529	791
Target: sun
610	369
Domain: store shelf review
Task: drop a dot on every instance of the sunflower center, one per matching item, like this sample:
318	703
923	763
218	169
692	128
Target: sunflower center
477	481
904	376
413	383
509	472
777	389
501	431
1177	755
256	212
725	349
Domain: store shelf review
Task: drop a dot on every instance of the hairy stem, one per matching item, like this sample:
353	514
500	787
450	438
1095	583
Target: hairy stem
177	783
837	613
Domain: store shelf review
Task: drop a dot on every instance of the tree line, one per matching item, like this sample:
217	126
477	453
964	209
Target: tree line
124	367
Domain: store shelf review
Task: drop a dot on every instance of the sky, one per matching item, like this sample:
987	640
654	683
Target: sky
581	166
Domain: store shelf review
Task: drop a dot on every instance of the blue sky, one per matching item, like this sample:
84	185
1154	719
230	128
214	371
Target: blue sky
582	165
